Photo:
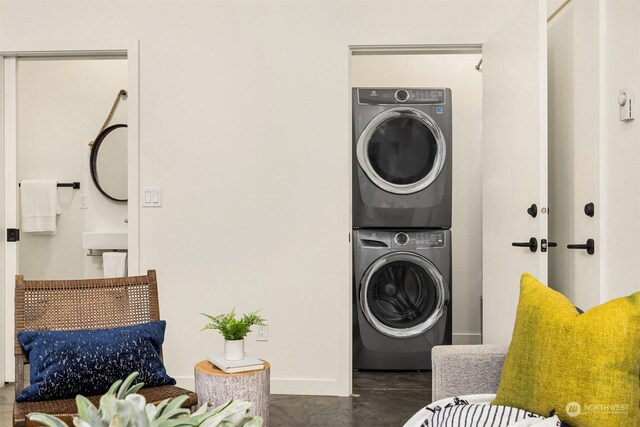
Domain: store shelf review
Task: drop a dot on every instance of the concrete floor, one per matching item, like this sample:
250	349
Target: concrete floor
7	394
384	399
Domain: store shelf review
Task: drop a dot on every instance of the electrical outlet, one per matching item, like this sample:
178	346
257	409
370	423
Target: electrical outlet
263	333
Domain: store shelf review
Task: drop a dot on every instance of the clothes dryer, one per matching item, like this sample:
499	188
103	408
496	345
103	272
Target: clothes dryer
401	297
402	157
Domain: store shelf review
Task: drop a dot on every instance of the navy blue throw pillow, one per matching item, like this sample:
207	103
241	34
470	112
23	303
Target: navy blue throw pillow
87	362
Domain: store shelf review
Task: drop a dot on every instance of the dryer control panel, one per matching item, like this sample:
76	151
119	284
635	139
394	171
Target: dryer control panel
401	239
387	96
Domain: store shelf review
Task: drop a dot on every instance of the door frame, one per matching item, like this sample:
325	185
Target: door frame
10	51
363	47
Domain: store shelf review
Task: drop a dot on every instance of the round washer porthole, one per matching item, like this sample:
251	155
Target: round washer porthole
402	150
402	295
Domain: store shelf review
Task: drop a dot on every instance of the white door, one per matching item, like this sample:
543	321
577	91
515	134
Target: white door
514	165
10	266
574	160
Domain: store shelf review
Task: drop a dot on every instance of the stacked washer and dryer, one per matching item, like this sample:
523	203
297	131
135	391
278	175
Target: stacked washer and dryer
401	221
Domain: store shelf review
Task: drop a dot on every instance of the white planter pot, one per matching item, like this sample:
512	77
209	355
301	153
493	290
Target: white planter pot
234	350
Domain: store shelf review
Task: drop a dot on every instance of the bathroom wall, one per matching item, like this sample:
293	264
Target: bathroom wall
458	73
62	104
245	124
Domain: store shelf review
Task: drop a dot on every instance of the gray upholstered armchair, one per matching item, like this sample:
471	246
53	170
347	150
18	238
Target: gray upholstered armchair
466	369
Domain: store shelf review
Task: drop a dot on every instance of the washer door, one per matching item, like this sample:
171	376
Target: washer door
402	150
402	295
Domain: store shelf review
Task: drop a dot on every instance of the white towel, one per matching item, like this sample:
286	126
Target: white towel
114	264
39	205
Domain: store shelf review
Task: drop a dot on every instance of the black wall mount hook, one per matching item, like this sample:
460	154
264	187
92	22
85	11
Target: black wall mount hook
533	210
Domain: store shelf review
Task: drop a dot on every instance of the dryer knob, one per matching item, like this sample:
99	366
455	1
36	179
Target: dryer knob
402	95
402	238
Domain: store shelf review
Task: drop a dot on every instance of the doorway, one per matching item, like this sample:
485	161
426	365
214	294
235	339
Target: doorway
68	99
455	69
25	62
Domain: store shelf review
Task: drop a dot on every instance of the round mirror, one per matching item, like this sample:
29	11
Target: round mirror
108	162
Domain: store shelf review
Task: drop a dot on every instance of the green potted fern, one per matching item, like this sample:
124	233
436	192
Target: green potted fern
233	330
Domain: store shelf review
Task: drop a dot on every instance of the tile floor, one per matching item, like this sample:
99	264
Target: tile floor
380	399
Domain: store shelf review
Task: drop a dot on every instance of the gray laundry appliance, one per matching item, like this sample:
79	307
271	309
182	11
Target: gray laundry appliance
401	297
401	157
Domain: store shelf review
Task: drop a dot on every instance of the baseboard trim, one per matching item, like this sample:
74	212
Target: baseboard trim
297	386
187	382
466	339
305	386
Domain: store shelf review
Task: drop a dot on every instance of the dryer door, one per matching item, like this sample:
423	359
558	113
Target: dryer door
402	150
403	295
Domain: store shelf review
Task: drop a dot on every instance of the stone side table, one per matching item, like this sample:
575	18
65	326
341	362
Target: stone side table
216	387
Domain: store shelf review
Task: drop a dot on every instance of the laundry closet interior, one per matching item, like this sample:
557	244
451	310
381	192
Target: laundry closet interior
404	281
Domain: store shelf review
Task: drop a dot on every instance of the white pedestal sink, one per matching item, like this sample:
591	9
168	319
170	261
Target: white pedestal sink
104	240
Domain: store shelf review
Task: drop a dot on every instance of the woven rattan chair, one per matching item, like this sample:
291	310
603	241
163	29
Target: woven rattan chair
83	304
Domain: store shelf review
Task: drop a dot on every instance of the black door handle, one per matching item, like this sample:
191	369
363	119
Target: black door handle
532	244
544	245
533	210
590	246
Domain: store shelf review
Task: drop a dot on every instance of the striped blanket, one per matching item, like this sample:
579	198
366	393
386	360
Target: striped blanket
474	411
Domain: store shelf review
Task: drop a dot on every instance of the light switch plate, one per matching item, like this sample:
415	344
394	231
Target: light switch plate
151	197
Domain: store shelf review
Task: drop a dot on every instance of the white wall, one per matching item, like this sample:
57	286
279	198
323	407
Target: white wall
244	123
458	73
61	106
620	152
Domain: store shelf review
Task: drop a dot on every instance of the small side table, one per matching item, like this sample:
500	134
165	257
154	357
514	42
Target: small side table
216	387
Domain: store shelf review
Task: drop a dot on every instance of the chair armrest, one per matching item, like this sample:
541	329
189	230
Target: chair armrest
466	369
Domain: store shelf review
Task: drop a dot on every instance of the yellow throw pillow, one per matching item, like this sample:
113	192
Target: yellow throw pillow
586	366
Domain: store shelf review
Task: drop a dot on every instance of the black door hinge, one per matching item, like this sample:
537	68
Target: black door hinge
13	234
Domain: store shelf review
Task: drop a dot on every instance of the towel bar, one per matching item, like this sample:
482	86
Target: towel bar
75	185
92	253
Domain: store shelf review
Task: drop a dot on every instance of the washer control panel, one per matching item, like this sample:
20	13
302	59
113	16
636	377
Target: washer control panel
430	239
387	96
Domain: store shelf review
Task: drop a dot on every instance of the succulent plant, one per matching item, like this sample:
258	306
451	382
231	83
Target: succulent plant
121	406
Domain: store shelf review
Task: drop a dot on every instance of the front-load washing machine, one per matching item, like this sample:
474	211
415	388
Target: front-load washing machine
401	297
401	158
